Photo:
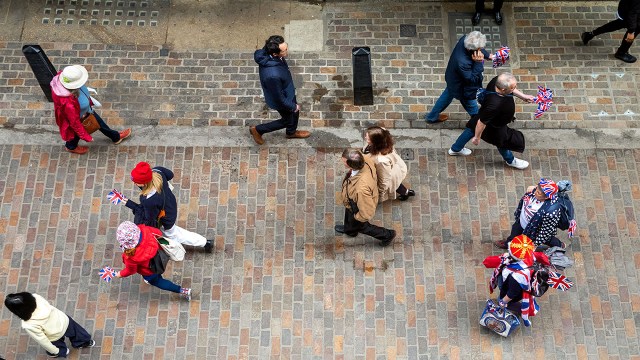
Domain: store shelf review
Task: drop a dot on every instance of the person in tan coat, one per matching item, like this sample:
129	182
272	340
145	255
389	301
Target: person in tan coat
390	167
46	324
360	198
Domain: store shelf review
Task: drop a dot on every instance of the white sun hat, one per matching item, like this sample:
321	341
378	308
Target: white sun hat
74	76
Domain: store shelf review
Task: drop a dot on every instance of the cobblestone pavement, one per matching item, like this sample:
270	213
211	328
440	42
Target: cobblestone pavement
281	284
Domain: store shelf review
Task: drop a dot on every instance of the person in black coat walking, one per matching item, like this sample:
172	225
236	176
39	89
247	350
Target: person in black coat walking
279	90
627	17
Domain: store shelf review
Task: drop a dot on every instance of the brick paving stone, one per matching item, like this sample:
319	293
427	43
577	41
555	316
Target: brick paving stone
281	284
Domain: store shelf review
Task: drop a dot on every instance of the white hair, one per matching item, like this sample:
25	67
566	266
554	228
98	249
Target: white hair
475	40
505	81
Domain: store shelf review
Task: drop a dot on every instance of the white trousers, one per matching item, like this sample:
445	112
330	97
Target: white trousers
184	237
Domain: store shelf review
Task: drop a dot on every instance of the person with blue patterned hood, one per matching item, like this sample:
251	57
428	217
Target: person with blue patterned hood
537	216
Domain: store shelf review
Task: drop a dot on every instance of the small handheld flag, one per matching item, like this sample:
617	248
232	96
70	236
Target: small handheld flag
559	281
544	99
501	56
107	274
116	197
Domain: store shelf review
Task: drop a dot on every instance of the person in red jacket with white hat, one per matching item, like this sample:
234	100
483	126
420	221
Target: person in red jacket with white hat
72	103
139	246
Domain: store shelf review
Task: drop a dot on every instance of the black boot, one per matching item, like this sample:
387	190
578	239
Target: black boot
586	37
623	52
475	20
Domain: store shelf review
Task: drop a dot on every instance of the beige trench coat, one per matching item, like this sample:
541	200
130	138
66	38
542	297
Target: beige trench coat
392	171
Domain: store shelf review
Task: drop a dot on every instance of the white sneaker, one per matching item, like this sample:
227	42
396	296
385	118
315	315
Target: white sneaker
463	152
186	293
519	164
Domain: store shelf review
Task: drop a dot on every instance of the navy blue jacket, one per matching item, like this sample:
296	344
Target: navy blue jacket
463	75
276	81
149	208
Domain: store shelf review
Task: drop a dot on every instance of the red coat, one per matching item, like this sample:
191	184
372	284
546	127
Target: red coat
67	111
145	251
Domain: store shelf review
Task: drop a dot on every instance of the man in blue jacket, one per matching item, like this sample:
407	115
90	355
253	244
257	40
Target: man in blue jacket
627	17
279	90
463	76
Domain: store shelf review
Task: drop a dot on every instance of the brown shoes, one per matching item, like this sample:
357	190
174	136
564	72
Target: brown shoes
299	134
80	150
123	135
256	135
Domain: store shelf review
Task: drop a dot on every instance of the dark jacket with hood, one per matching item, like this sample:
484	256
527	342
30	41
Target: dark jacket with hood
277	83
463	75
629	11
150	205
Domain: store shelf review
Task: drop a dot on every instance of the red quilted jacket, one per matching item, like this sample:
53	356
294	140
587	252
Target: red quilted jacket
145	251
67	111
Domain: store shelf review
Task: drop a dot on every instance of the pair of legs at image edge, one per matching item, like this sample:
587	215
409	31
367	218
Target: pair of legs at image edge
623	51
78	336
458	149
352	227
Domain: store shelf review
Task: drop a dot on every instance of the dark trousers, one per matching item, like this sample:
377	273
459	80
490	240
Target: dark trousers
104	129
402	190
497	5
77	334
288	120
161	283
516	230
352	227
612	26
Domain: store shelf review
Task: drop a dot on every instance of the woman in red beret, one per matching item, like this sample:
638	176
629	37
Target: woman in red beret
158	206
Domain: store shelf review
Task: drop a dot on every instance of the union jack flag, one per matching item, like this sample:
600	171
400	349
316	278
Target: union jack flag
572	228
107	274
116	197
501	56
544	100
559	281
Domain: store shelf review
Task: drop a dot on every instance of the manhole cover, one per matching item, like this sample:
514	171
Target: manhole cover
408	30
102	12
460	24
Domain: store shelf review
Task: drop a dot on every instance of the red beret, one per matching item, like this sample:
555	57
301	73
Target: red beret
142	173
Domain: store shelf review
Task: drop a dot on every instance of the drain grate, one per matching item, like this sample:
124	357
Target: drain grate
408	30
460	24
102	12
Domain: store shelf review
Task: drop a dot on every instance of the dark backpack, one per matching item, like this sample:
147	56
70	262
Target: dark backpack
566	211
539	279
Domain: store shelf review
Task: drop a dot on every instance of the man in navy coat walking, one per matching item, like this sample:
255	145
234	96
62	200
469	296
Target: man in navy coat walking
279	90
463	76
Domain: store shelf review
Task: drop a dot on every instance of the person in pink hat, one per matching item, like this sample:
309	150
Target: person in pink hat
139	246
71	104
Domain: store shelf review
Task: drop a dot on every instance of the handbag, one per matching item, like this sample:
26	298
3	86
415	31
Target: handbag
90	123
174	249
158	263
498	319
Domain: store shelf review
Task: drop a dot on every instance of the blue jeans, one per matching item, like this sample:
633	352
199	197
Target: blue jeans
104	129
444	100
158	281
467	135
